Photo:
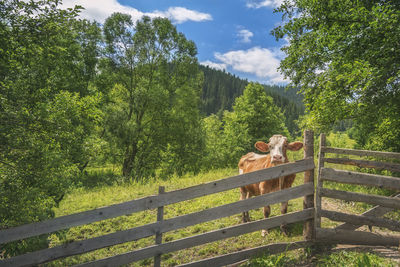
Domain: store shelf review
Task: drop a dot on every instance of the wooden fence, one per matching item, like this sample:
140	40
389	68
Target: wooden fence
161	226
346	233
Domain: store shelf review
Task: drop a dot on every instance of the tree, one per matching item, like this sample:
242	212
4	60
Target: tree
214	156
152	114
48	110
258	112
254	117
221	88
344	56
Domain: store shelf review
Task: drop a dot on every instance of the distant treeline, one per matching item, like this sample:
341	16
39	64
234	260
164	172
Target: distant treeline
220	89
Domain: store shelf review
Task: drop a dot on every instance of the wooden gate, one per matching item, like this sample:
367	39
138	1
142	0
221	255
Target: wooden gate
346	233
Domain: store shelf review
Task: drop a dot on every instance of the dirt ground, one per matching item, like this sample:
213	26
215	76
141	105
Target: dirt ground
386	252
391	253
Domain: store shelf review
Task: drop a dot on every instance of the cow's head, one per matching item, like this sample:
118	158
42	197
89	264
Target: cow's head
277	147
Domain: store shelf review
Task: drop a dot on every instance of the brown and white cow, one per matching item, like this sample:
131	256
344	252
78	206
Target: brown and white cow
277	147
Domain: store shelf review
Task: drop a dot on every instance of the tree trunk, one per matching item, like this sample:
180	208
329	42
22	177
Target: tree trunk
129	158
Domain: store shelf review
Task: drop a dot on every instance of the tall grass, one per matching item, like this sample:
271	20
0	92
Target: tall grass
86	198
104	187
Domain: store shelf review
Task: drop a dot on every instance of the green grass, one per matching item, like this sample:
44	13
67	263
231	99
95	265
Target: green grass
87	198
340	258
103	187
352	258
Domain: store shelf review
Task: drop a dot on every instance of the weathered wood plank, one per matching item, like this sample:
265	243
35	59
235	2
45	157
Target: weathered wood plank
119	237
334	236
320	182
361	220
248	253
203	238
160	217
394	167
308	202
358	197
152	202
348	177
377	211
356	152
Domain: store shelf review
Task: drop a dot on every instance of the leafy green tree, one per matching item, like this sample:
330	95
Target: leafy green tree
48	110
344	56
221	88
152	114
224	139
214	155
254	117
236	138
257	111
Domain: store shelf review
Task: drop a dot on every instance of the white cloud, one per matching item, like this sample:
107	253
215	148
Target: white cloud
263	3
245	35
214	65
258	61
181	14
99	10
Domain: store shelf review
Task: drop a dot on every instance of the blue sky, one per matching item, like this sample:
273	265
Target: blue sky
230	34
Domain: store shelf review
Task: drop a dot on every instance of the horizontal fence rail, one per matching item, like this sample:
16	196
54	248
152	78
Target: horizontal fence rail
119	237
153	202
356	152
208	237
361	220
247	253
388	202
365	164
358	178
335	236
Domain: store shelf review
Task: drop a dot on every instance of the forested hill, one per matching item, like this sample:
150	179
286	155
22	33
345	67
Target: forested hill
220	89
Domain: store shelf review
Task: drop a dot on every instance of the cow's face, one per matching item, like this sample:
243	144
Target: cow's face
277	147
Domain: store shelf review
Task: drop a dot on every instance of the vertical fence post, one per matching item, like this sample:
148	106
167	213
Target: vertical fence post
321	156
308	227
160	217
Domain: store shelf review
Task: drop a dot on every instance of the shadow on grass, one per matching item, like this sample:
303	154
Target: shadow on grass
97	178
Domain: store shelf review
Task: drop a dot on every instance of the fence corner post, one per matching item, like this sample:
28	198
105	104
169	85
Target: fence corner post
308	202
321	157
160	217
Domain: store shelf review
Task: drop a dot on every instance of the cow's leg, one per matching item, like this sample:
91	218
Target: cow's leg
284	207
284	183
245	214
267	212
267	209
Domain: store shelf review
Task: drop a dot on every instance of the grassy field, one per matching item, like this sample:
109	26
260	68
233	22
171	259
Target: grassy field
342	258
106	189
86	198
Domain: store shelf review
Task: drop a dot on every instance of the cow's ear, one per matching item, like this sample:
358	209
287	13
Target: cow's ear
262	146
294	146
